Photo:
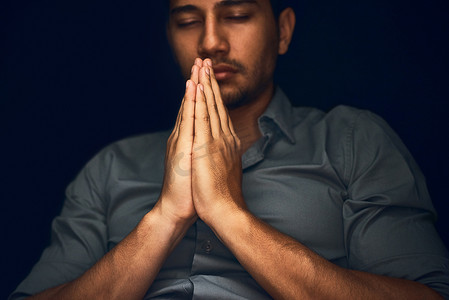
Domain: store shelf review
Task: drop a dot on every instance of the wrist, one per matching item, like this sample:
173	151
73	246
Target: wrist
168	233
226	217
173	223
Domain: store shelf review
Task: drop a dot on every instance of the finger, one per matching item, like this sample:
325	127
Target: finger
194	73
179	116
174	133
198	62
226	124
188	113
215	122
202	126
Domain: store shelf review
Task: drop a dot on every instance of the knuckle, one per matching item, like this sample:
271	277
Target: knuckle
238	143
170	139
182	125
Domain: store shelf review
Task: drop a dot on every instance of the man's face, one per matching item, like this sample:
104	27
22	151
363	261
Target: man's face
240	36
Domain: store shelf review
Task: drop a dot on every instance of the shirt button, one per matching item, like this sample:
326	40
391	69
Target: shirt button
207	246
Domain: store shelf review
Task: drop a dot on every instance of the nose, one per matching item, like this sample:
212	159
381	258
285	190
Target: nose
213	41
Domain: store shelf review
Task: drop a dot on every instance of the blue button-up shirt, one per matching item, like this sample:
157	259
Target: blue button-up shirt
342	183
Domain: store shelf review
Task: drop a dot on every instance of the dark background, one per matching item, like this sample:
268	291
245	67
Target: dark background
78	75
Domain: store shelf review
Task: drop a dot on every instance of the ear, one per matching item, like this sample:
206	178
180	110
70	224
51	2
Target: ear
286	21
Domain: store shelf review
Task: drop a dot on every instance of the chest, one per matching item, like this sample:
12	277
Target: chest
303	201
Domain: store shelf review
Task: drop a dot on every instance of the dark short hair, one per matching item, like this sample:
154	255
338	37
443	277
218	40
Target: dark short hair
277	6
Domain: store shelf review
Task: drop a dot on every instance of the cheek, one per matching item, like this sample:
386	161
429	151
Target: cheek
260	52
256	41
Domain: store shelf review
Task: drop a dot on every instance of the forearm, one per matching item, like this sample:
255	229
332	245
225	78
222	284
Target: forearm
286	269
128	270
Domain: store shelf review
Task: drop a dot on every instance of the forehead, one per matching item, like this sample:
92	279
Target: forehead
183	5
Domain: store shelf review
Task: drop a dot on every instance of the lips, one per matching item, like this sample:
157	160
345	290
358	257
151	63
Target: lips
224	71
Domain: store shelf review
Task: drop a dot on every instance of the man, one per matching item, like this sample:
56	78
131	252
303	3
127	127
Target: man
255	200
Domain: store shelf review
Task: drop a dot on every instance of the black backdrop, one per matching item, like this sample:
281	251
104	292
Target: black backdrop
78	75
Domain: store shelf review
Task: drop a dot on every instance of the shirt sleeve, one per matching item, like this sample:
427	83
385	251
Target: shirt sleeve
388	215
78	238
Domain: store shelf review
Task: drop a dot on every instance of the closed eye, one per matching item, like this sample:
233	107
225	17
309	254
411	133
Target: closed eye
185	24
238	18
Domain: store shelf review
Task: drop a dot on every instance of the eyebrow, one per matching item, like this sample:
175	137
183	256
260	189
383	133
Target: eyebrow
183	9
223	3
226	3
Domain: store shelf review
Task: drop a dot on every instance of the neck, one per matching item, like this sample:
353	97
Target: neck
244	118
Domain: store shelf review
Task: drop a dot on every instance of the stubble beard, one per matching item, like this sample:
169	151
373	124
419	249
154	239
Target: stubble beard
240	95
236	98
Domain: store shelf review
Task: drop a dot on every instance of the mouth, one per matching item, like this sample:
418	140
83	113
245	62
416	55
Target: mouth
224	71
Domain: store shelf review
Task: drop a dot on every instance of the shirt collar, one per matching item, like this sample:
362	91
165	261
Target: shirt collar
280	113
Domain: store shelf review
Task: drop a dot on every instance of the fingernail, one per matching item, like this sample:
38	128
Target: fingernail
201	87
187	83
207	71
191	70
209	62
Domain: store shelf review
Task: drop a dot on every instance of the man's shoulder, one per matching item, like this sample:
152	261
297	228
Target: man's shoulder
289	113
137	143
138	149
341	115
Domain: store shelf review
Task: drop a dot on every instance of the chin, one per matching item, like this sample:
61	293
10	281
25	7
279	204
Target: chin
234	99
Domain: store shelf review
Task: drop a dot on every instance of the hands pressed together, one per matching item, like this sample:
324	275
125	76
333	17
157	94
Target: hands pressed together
203	180
203	160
